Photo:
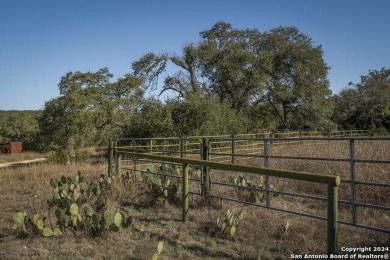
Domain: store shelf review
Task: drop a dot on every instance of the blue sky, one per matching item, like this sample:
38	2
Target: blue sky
42	40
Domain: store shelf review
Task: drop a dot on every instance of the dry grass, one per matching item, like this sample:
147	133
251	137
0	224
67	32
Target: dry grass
28	188
367	172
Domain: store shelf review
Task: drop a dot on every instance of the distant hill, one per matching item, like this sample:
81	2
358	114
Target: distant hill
8	116
19	111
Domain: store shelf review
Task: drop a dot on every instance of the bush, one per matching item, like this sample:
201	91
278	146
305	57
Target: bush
206	116
153	119
191	117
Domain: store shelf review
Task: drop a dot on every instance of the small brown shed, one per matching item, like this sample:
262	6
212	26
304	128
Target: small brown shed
11	147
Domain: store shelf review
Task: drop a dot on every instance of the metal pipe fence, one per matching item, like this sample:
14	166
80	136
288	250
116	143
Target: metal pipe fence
332	183
231	151
264	150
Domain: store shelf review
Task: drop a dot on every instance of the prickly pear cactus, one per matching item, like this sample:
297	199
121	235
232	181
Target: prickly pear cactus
34	225
160	186
248	192
160	247
118	220
72	211
67	189
51	232
19	221
230	223
38	222
108	217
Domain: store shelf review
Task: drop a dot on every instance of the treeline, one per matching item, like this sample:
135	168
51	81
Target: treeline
231	81
19	125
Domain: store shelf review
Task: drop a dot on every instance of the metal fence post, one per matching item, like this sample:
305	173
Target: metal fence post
205	170
332	216
118	161
185	191
233	148
185	147
300	137
182	148
134	159
118	165
110	157
353	171
267	201
265	153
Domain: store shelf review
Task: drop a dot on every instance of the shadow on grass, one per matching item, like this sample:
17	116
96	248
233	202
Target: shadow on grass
205	252
200	250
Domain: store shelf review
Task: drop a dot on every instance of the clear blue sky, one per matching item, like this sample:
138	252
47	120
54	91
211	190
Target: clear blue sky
42	40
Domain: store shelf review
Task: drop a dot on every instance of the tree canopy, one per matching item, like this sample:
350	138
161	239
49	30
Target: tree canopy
296	86
281	70
89	109
19	126
230	81
365	105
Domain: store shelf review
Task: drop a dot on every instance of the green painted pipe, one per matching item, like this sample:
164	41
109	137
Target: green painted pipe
185	192
296	175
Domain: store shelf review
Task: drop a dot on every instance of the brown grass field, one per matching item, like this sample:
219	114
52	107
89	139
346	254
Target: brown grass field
260	234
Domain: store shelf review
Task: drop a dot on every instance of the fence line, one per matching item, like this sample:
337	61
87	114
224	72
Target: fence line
266	143
236	148
332	182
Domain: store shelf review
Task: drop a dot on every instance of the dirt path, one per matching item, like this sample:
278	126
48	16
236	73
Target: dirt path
25	162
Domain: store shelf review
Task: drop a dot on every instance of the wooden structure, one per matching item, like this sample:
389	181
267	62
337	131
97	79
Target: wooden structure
11	147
